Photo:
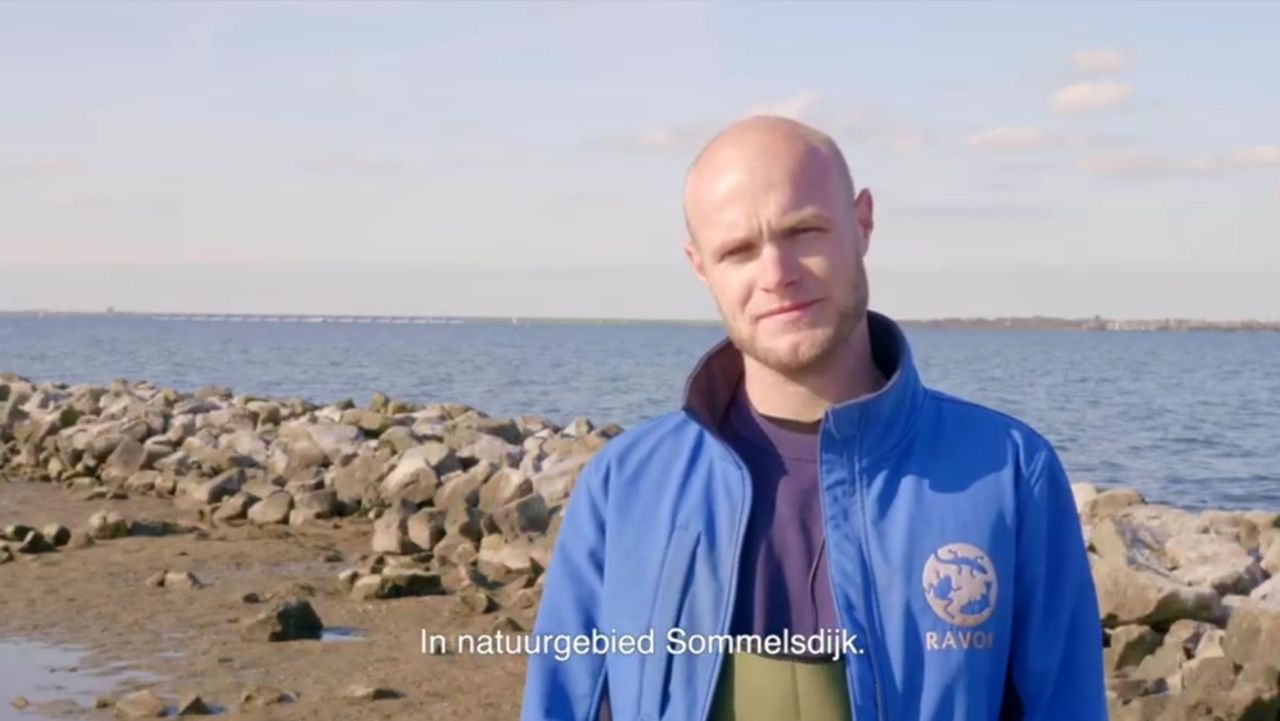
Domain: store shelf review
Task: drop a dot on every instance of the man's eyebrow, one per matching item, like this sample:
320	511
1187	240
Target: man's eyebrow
802	217
809	215
732	242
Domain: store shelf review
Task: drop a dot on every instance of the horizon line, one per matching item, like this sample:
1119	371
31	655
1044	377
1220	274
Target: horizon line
179	315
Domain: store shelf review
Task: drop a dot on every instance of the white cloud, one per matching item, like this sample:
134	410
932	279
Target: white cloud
1083	98
1010	139
1101	60
1149	164
1261	156
795	107
1145	164
1014	139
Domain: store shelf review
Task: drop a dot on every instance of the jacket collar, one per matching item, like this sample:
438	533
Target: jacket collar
876	421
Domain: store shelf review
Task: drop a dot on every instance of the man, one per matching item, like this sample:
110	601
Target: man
812	485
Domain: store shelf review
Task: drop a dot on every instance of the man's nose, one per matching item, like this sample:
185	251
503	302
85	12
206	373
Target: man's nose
777	266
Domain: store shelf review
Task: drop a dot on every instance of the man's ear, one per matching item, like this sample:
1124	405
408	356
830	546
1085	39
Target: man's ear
864	213
695	259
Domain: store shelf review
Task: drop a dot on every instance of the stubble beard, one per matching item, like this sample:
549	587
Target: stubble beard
818	344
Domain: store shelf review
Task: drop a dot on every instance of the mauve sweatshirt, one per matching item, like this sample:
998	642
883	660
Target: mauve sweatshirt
783	580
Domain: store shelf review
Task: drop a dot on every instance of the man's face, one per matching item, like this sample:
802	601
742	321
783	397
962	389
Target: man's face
779	241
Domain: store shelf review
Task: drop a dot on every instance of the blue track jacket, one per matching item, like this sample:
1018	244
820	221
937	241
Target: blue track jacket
956	560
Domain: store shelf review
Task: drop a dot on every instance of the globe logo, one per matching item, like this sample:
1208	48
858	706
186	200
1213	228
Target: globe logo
960	584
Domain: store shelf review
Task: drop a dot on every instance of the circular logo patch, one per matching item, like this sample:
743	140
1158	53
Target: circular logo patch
960	584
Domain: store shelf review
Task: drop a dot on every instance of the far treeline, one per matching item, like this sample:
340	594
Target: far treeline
1096	323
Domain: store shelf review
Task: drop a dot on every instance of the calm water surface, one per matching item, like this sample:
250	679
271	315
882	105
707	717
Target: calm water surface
1187	418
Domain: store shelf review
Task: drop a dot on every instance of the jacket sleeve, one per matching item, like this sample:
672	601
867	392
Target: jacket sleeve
568	686
1056	667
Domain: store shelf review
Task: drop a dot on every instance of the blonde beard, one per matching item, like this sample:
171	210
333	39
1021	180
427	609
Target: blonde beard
813	352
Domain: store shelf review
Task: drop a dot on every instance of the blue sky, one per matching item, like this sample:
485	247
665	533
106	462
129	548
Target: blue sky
491	159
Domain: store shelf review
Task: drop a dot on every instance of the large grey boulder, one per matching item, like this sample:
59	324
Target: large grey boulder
492	449
524	516
1083	492
412	468
398	439
291	619
1136	545
398	583
391	530
294	453
1268	593
1216	561
355	480
1107	504
224	485
1128	595
1128	645
247	443
235	508
556	480
1253	635
142	482
426	528
35	542
127	459
1271	557
504	428
1232	525
463	520
322	503
503	487
58	534
106	524
336	440
273	509
373	423
463	488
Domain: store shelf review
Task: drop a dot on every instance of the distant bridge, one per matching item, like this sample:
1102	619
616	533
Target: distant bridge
277	318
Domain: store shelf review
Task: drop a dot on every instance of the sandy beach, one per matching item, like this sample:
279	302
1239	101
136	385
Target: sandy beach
189	639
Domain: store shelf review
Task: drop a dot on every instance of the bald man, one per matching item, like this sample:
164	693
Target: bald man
814	535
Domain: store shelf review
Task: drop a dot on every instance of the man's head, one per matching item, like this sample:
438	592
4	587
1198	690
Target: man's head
774	222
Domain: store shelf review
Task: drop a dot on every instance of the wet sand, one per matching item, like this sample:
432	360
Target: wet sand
97	598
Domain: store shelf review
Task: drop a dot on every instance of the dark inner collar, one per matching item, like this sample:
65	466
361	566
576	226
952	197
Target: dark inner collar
786	437
710	389
794	426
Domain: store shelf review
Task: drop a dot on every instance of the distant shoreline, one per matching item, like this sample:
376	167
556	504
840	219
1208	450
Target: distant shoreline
1096	323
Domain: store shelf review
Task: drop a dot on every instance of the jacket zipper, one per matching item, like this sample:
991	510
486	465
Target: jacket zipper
831	576
727	614
866	559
